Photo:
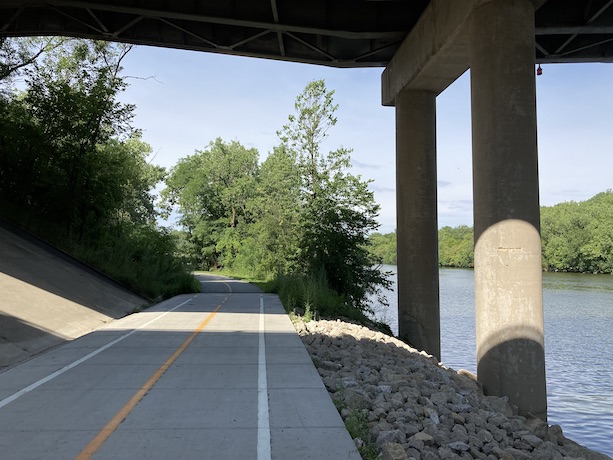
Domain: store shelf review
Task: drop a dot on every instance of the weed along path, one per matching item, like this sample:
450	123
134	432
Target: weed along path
217	375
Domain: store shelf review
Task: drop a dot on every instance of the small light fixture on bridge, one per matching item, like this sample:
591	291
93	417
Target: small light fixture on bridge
539	71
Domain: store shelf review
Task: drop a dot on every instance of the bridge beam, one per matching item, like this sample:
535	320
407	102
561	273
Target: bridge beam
436	51
434	54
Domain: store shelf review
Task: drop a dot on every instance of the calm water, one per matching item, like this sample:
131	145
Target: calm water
578	346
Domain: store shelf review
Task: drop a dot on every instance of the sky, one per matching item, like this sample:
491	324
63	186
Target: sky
186	99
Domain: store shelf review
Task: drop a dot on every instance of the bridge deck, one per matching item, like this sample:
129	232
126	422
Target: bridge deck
220	375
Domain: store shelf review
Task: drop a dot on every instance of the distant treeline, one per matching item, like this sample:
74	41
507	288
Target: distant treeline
576	237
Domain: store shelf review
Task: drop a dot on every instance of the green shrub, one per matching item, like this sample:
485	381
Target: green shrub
313	295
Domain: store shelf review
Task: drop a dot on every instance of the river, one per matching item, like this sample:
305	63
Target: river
578	346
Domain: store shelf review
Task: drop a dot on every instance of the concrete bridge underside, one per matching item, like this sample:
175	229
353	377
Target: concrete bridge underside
425	45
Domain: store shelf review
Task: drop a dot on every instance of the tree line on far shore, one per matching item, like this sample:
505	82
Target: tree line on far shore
576	237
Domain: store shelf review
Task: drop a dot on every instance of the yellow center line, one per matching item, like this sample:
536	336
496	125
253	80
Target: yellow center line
120	416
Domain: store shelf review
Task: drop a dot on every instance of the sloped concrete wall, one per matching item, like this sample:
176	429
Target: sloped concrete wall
47	298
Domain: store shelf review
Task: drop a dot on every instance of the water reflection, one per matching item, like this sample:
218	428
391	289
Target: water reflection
578	282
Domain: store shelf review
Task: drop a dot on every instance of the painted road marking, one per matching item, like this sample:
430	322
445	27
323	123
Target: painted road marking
66	368
120	416
216	279
263	414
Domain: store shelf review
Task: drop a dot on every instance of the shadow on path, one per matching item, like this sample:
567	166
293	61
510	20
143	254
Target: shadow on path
212	284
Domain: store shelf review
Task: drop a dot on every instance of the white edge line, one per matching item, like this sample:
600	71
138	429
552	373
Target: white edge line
66	368
263	414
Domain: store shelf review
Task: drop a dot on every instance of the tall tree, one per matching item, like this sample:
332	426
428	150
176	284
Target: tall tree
271	245
72	98
339	211
307	130
72	168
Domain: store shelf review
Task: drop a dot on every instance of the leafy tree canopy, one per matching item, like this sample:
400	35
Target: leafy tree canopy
578	236
73	168
339	210
211	189
384	247
301	211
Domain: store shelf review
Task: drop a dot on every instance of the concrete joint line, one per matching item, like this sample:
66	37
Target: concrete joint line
263	414
74	364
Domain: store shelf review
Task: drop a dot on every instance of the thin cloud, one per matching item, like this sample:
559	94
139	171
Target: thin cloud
382	189
456	204
359	164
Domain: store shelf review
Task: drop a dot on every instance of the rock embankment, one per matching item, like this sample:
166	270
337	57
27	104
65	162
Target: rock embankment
416	408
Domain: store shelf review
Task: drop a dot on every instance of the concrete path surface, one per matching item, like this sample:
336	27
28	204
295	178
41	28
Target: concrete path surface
217	375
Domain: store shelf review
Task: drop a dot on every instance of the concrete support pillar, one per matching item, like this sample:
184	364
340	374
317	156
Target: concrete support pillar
417	232
508	278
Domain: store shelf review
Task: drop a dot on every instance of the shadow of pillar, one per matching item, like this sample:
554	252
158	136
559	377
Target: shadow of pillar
509	314
513	367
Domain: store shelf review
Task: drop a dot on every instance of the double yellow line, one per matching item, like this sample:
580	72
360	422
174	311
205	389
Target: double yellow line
120	416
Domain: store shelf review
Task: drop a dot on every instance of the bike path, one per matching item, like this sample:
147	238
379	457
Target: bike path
217	375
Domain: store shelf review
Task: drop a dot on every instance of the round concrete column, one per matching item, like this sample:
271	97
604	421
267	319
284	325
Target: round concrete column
417	232
508	279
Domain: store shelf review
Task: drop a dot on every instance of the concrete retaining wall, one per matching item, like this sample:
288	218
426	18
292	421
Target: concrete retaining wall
47	298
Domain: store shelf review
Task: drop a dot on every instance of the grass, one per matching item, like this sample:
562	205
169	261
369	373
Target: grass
357	426
307	297
139	257
312	299
265	285
144	270
305	294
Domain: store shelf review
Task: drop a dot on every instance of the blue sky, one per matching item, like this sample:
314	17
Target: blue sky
186	99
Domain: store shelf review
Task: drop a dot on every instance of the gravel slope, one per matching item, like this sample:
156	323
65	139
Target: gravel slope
416	408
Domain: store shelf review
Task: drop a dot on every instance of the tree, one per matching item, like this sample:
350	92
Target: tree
212	189
67	148
384	247
271	244
307	130
563	235
72	168
599	249
71	98
456	247
577	236
339	210
301	213
18	53
122	187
